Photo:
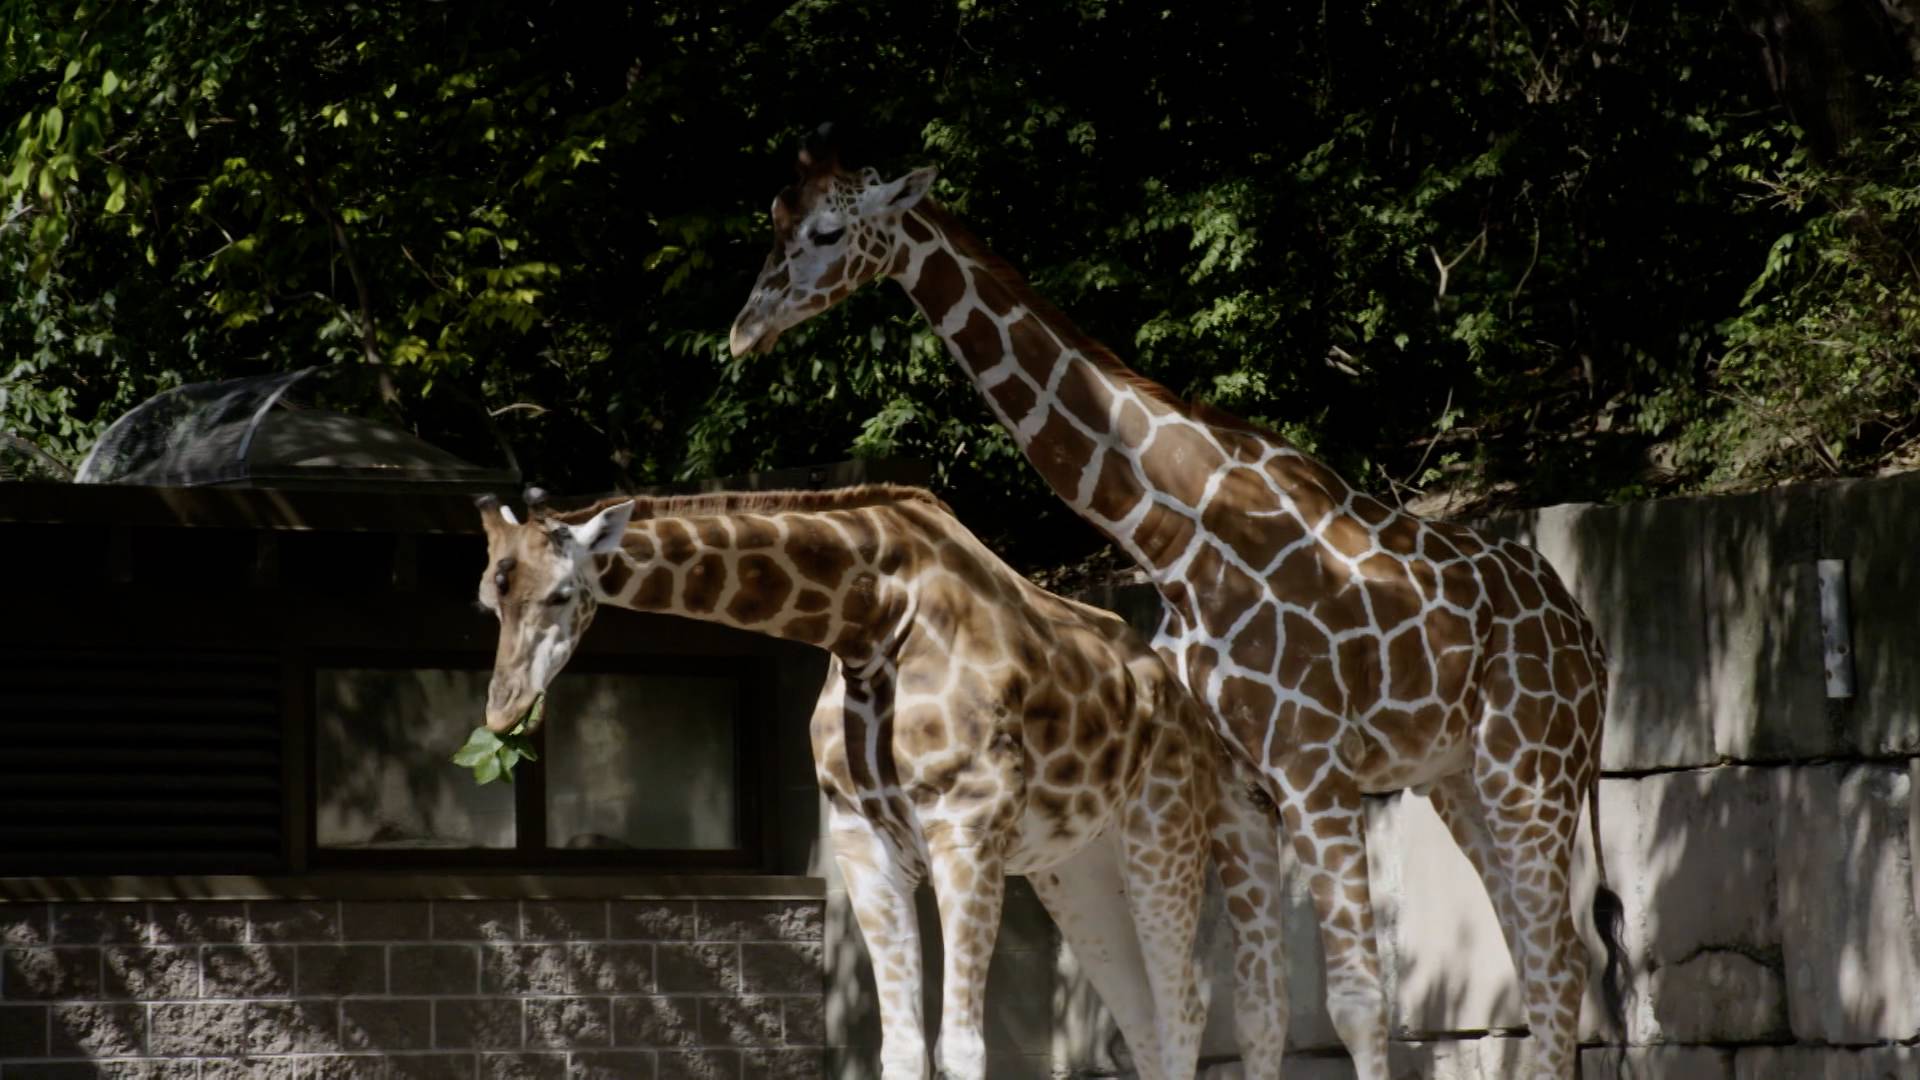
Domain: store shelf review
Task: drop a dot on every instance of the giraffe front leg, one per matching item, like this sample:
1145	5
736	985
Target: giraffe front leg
1328	826
881	892
1246	850
969	883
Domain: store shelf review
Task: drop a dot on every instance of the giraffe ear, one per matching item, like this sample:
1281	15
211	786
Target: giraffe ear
603	534
820	153
900	195
490	508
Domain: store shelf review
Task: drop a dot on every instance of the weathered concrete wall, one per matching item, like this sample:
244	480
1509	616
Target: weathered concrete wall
1762	836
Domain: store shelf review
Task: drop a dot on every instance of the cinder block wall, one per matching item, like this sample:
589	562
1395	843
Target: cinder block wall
434	989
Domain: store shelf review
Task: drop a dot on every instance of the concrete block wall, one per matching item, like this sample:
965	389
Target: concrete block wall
1763	835
1764	839
433	989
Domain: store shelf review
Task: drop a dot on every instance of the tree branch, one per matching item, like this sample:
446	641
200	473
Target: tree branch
369	340
1413	476
28	448
1446	268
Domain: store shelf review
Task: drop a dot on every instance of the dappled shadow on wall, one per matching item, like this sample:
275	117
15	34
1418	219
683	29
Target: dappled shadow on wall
1760	832
641	762
383	742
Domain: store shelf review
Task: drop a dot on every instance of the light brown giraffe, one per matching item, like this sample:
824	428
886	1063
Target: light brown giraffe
972	725
1342	647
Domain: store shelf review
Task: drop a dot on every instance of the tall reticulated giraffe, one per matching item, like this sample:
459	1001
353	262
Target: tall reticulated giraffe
1341	646
972	725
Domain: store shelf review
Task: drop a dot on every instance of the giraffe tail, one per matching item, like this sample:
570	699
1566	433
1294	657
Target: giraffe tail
1609	917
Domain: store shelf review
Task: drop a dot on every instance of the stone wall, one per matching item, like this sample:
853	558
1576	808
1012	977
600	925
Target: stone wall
1762	836
566	989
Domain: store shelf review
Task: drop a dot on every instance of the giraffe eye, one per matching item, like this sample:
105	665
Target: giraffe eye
829	237
560	596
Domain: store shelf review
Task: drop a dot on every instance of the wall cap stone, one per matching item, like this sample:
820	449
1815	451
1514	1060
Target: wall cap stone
377	886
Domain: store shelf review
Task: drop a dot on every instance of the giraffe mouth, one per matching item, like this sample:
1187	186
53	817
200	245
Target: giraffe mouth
526	720
751	337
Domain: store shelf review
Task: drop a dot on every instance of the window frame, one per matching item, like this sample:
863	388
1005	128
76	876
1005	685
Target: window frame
752	675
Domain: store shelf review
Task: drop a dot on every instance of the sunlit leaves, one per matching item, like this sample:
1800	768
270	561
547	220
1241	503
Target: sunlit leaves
1821	369
562	211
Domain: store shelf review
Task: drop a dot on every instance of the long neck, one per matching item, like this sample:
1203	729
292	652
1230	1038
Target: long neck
825	578
1120	449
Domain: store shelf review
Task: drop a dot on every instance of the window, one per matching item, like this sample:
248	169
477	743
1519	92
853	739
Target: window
384	779
641	761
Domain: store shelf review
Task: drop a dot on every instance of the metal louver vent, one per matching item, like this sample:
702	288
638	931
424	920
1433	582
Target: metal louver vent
120	762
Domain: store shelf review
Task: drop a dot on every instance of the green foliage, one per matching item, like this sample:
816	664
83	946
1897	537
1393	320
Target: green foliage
492	757
1821	371
449	189
1502	247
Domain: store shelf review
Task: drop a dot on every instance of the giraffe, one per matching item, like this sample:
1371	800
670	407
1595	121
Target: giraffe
1341	647
972	725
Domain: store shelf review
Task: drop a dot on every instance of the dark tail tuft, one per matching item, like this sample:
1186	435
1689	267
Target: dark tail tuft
1610	917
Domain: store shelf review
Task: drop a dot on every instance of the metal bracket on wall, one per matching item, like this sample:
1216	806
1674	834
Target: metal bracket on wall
1836	635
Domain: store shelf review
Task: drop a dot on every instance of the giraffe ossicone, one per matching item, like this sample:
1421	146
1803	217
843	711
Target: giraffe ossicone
1342	647
972	725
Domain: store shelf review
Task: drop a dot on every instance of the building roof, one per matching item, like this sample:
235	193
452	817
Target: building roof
244	432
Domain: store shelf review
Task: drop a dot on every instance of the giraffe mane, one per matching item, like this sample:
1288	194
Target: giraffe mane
967	243
757	502
1087	345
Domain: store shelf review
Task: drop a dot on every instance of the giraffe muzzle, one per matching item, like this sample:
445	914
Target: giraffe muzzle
749	336
528	709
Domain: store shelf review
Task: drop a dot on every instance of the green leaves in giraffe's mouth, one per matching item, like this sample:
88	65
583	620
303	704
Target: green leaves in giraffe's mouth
530	723
492	757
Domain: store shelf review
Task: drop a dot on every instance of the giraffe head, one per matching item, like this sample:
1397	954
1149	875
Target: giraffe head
540	583
834	230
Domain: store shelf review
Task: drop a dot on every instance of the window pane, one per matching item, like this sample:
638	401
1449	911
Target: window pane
641	761
383	743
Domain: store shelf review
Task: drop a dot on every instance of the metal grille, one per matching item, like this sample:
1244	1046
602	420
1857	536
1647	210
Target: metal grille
118	762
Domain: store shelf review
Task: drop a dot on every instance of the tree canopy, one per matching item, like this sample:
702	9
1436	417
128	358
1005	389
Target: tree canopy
1524	252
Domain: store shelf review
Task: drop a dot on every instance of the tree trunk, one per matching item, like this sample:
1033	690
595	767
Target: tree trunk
1819	54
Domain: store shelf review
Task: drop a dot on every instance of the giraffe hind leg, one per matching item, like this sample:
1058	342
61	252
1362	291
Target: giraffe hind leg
1533	836
1459	807
1245	840
1331	843
1164	857
1086	896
